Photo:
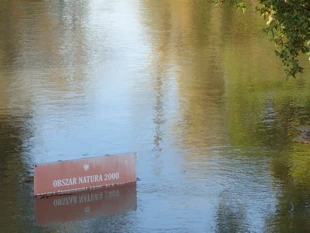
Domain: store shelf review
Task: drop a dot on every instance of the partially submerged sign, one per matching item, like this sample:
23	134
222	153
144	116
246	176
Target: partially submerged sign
84	174
86	205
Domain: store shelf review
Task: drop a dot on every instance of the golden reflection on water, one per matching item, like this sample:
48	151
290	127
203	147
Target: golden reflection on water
45	51
227	80
198	74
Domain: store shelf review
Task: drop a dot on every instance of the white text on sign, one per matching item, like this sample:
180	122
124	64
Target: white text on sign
85	179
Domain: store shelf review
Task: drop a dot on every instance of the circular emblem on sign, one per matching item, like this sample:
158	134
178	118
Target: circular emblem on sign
86	167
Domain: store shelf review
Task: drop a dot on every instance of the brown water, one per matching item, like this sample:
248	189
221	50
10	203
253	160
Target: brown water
194	89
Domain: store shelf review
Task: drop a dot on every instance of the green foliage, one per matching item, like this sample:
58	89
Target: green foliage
288	24
238	3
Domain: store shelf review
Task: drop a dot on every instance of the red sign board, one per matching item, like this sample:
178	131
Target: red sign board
86	205
84	174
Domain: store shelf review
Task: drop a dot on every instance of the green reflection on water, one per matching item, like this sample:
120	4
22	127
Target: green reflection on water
230	81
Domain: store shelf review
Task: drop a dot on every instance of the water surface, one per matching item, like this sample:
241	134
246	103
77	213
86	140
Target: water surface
194	89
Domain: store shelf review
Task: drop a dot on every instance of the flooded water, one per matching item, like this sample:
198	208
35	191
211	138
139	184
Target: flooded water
194	89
